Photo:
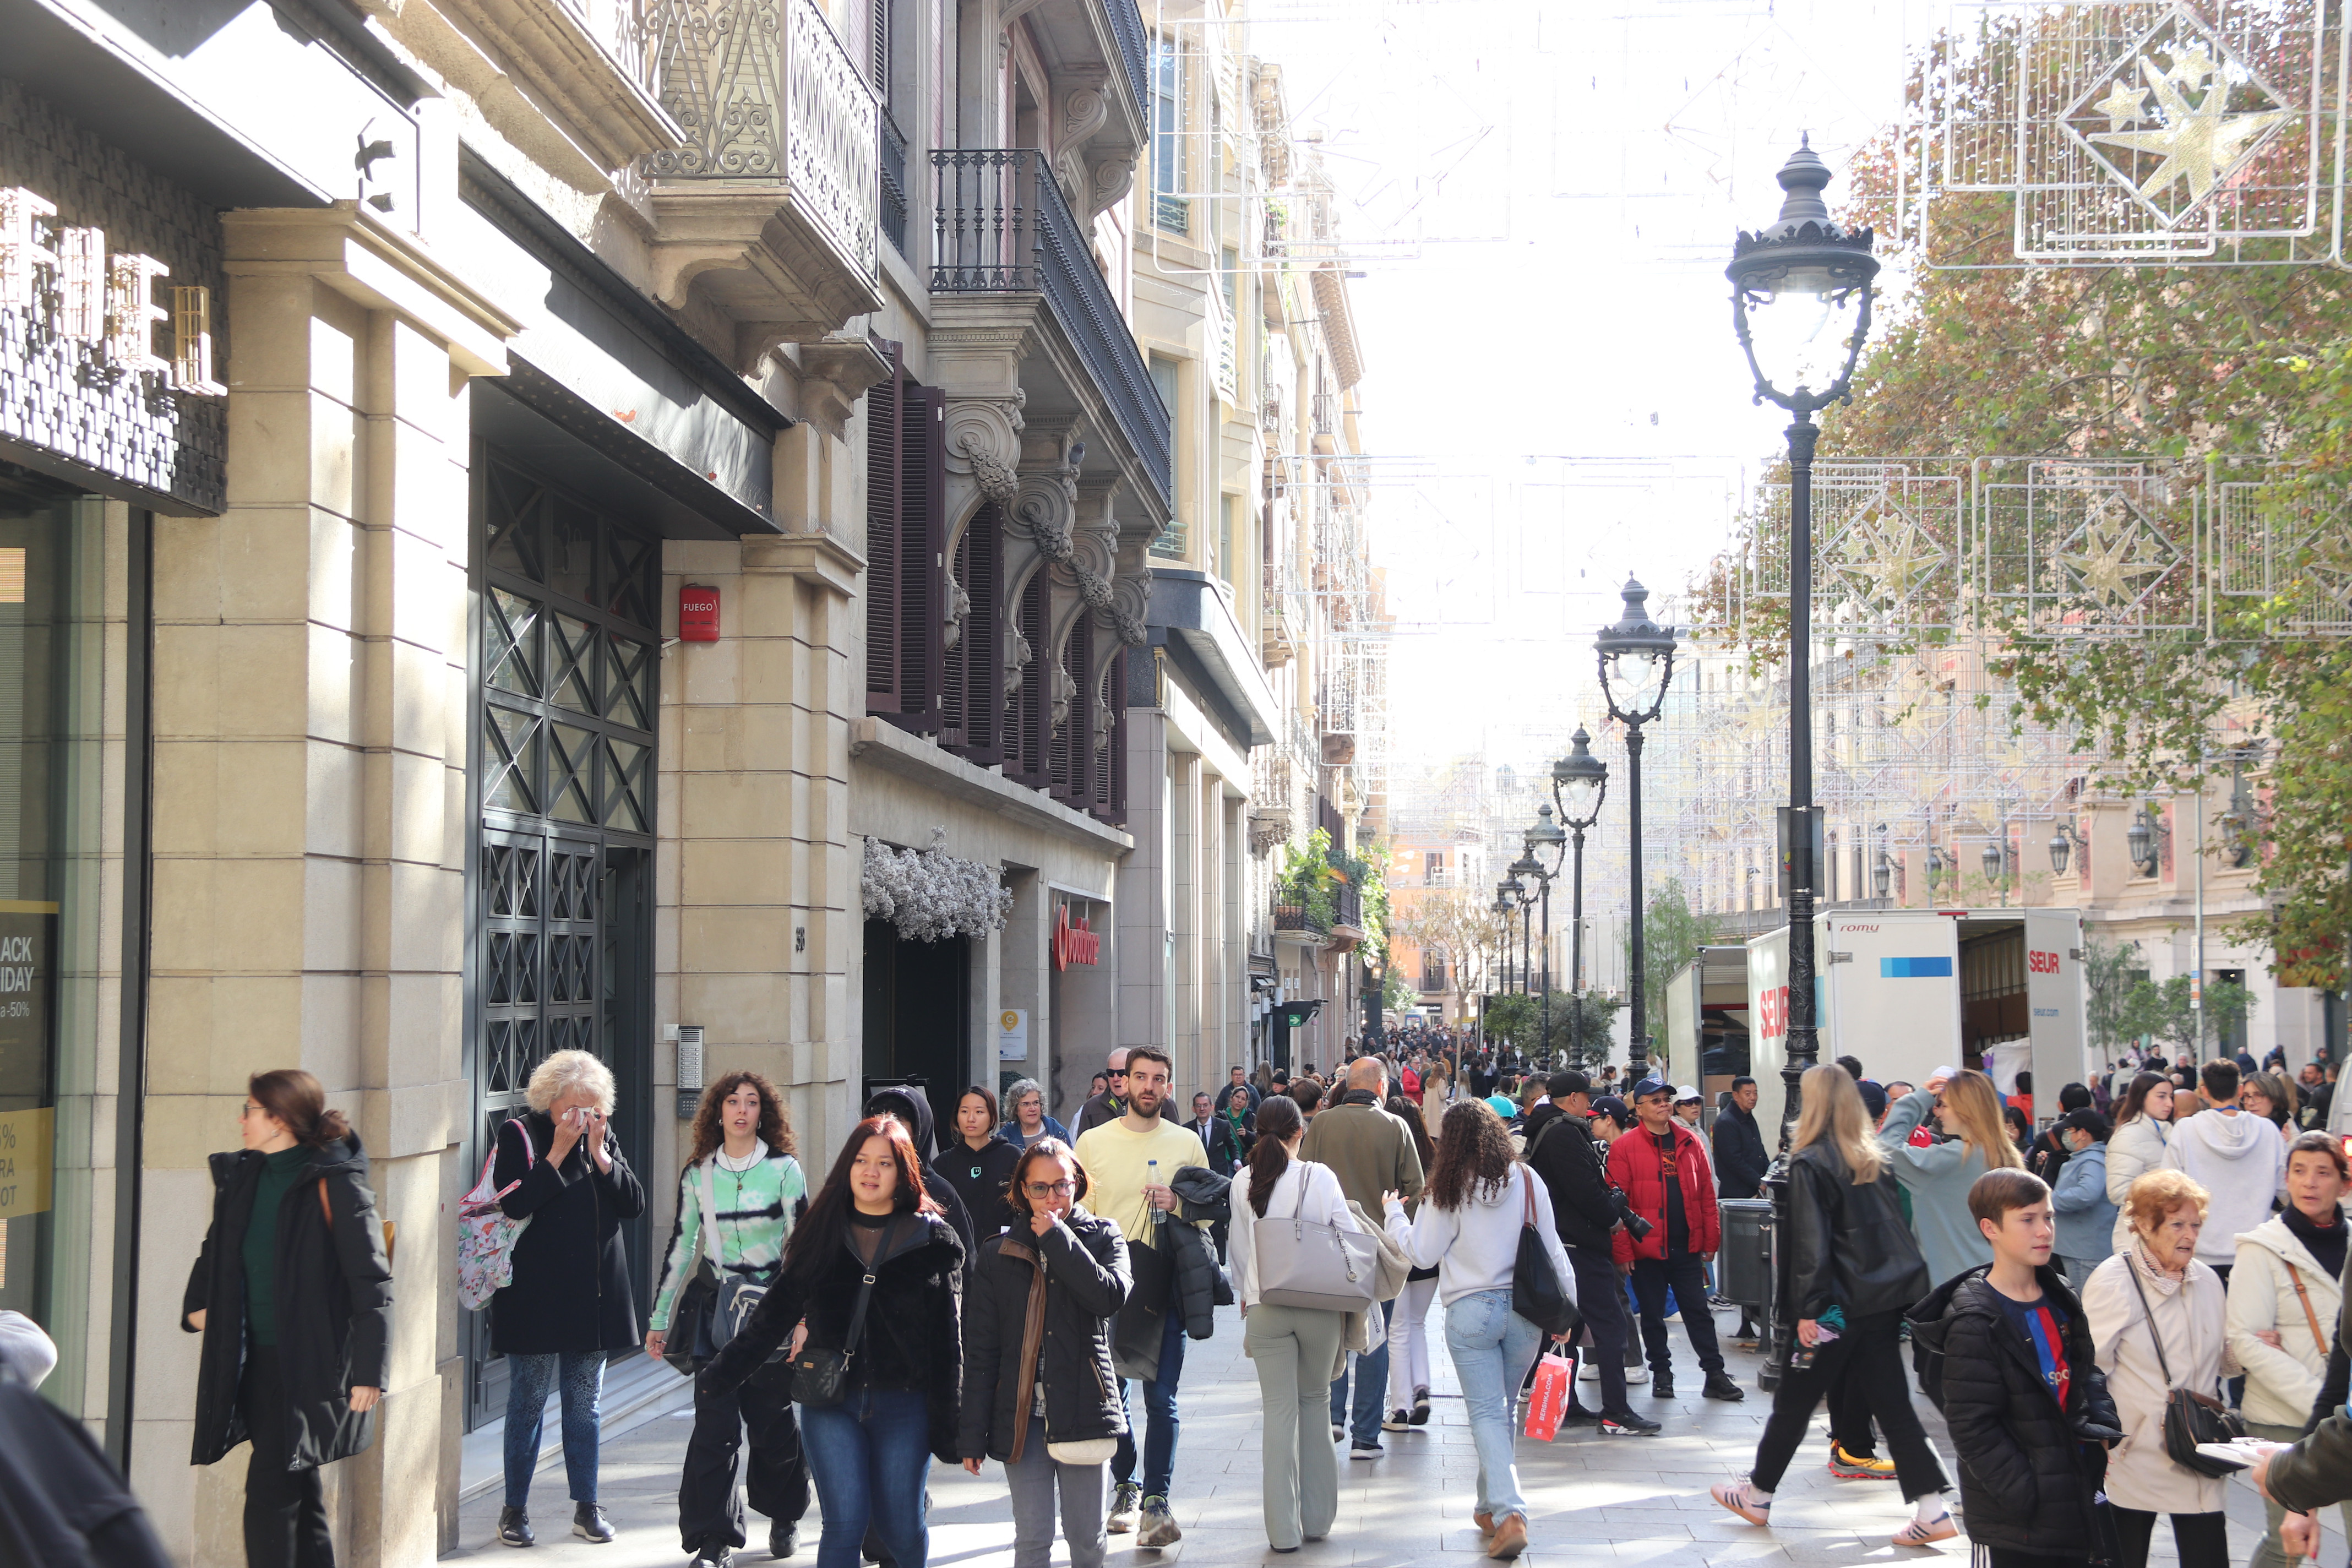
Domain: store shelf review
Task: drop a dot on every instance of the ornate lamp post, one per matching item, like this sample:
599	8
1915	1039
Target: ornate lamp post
1800	301
1580	782
1637	662
1506	904
1545	837
1528	875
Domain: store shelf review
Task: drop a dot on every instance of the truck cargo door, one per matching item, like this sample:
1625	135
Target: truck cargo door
2054	998
1893	979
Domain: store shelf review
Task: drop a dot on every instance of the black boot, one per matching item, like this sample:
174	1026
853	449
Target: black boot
784	1537
514	1528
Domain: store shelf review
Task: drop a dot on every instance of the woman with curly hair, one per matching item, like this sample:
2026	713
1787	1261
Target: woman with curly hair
1478	1199
738	1199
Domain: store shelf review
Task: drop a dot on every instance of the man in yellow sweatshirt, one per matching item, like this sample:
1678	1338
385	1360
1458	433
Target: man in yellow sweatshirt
1127	1163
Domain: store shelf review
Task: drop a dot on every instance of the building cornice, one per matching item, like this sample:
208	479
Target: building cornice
892	749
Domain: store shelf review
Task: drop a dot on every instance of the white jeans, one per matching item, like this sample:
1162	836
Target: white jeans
1409	1341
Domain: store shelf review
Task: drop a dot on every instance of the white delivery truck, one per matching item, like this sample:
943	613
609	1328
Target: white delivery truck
1909	991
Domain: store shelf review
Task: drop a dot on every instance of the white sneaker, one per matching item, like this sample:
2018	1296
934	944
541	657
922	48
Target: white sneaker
1637	1374
1589	1372
1125	1498
1159	1526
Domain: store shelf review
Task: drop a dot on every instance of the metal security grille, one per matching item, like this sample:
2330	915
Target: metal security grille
569	660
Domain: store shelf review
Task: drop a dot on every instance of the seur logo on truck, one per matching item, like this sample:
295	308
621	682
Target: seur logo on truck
1914	968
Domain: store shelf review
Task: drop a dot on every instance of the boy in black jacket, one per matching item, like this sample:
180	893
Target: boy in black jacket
1560	1149
2026	1406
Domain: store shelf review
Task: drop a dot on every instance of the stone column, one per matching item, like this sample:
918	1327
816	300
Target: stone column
310	703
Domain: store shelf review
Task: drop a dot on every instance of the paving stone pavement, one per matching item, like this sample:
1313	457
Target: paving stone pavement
1592	1499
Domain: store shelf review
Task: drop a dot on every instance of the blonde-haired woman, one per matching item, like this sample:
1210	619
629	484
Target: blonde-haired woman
1967	1108
2159	1322
559	1168
1848	1248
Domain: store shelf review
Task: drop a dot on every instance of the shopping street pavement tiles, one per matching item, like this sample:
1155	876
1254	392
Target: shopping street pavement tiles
1630	1500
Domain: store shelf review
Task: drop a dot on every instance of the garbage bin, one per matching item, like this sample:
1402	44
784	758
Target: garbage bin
1742	1276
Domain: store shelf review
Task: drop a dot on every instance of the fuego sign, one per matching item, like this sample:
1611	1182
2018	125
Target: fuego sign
1074	943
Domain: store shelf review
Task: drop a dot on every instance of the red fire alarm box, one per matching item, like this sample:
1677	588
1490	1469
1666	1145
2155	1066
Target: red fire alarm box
698	613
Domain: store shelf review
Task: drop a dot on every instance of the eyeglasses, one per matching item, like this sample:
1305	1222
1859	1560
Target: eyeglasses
1050	1189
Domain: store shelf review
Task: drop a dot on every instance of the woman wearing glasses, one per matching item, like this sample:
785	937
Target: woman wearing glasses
1039	1393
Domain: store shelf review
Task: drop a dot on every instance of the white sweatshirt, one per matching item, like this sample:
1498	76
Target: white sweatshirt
1305	1190
2238	1158
1477	1246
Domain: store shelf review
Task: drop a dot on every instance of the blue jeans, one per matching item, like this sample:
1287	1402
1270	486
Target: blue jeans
1492	1348
1160	1416
1372	1370
868	1455
529	1380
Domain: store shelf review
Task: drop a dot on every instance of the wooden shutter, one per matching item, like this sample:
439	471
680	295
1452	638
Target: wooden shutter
921	555
974	681
1032	716
1073	742
884	402
1110	768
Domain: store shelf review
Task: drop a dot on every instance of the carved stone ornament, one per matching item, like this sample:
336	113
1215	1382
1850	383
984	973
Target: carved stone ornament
1112	178
959	606
1064	690
1266	829
983	439
1043	509
1017	655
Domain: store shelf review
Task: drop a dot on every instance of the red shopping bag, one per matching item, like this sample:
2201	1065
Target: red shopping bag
1549	1400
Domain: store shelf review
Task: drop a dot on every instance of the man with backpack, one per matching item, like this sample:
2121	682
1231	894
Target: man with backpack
1585	1209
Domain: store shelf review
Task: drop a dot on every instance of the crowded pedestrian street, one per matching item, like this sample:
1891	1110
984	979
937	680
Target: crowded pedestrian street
1593	1498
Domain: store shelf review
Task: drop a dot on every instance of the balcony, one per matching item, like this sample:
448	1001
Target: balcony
1003	236
1127	26
770	213
1298	920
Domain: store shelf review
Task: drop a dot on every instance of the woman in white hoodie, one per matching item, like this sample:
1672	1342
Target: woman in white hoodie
2143	1127
1294	1349
1478	1199
2285	1296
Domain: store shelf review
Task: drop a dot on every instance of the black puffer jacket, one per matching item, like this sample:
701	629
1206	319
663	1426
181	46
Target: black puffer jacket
1574	1169
1041	1306
1200	1286
914	1322
1848	1245
2028	1468
334	1304
571	1288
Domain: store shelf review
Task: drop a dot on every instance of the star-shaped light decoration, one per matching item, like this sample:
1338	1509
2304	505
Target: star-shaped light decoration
1884	545
2124	104
2111	551
2199	141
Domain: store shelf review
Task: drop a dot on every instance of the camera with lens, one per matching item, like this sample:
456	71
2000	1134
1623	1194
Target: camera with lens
1635	1226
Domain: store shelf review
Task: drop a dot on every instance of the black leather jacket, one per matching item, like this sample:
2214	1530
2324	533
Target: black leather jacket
1040	1310
1848	1245
1584	1209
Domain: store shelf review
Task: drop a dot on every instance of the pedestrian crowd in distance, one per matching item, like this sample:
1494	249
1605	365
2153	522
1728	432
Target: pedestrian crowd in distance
2086	1298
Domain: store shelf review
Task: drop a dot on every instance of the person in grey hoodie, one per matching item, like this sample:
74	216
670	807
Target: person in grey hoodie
2237	1157
2087	1220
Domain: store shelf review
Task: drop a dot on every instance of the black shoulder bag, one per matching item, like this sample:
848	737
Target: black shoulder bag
819	1374
2189	1417
1537	1293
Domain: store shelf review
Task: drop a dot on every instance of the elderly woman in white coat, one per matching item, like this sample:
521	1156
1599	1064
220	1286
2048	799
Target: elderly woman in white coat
2285	1296
2143	1127
1293	1348
2158	1322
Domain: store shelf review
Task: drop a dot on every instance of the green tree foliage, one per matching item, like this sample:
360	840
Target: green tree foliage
2107	971
2175	366
1670	938
2160	1010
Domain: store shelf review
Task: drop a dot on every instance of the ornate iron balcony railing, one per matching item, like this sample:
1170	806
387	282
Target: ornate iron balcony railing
1127	25
766	93
894	182
1000	226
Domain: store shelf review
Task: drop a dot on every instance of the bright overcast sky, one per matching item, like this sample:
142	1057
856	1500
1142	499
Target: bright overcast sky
1544	196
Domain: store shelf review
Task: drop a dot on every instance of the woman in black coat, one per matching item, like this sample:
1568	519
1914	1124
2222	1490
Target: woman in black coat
869	1450
1064	1272
292	1294
978	1164
2029	1465
569	1303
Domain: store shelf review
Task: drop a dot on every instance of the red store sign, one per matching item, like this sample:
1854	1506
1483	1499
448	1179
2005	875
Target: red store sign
1074	943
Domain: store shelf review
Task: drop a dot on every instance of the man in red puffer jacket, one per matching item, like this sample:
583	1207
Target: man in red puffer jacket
1665	1175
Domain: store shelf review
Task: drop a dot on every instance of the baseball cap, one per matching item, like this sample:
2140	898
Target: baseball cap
1650	1086
2089	1120
1684	1095
1874	1097
1612	1106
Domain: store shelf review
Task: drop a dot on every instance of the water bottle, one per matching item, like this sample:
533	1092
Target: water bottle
1151	1176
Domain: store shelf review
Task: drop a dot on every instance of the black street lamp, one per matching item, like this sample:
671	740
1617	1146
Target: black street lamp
1528	875
1506	904
1580	782
1637	661
1545	837
1801	307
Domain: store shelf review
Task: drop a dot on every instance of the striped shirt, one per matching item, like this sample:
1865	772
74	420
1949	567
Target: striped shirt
752	1212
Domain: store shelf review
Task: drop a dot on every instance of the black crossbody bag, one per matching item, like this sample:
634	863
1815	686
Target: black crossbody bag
821	1375
2190	1419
